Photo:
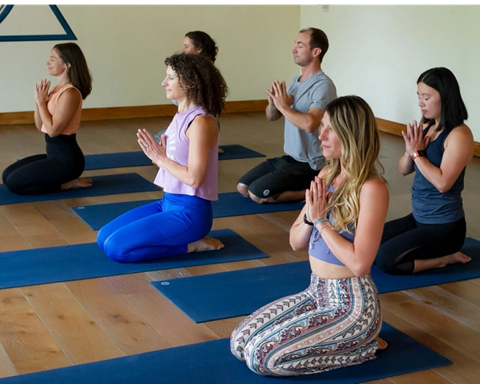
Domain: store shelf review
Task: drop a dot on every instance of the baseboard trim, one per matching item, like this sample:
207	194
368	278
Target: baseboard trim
164	110
90	114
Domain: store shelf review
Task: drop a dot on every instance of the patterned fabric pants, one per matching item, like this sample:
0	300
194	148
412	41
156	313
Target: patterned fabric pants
330	325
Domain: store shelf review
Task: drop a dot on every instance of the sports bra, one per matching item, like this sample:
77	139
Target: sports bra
317	247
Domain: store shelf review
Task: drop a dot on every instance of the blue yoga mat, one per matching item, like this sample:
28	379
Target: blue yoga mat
138	158
212	363
85	261
232	152
102	185
228	204
229	294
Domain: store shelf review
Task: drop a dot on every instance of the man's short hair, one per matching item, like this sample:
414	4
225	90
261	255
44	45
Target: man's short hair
318	39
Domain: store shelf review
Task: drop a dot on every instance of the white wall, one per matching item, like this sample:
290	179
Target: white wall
125	46
378	52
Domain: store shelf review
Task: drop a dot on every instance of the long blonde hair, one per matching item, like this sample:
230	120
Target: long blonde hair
352	119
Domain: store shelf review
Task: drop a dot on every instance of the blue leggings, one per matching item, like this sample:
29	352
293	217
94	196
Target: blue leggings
160	229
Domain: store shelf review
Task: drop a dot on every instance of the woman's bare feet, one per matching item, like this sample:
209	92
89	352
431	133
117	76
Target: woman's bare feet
457	257
81	182
382	344
440	262
206	244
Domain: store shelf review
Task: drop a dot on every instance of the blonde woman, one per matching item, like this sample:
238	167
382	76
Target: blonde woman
335	322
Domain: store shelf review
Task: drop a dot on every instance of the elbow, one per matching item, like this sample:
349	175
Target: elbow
311	127
405	171
53	134
196	183
361	272
295	246
360	269
444	188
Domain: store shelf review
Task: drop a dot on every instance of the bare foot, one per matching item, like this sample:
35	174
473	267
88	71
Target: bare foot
440	262
81	182
457	257
382	344
220	150
206	244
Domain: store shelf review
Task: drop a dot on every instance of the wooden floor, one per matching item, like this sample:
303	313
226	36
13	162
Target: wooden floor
57	325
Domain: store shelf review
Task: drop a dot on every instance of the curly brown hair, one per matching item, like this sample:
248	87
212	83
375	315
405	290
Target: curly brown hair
201	81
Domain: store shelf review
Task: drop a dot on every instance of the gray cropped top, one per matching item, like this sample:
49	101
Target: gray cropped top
317	247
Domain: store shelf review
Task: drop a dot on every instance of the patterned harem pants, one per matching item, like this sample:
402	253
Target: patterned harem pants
330	325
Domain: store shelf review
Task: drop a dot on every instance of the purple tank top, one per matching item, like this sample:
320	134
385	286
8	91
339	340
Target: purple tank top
177	150
317	247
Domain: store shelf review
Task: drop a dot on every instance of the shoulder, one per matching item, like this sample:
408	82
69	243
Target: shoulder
71	91
321	78
462	132
203	124
203	119
460	139
70	95
323	85
324	171
374	187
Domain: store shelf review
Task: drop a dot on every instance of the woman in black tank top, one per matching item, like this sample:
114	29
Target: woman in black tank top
437	150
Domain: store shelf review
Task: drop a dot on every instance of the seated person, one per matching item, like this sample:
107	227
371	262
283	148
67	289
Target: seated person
285	178
438	151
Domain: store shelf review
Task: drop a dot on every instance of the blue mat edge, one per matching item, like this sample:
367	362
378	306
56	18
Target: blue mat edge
140	160
86	368
197	318
146	186
148	266
270	208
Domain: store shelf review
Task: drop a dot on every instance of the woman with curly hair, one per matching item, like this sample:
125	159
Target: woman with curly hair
335	322
188	169
197	43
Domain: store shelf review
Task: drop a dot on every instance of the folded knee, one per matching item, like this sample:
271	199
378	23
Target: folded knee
114	252
242	189
254	364
384	262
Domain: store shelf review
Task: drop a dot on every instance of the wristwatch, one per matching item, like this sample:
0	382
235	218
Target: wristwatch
418	153
305	220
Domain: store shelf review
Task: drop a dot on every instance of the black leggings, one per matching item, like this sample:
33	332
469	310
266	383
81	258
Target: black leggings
38	174
277	175
406	240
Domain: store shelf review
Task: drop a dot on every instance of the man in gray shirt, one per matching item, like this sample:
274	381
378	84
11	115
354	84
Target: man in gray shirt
283	179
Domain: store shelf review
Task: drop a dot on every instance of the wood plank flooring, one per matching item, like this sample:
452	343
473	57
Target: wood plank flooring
57	325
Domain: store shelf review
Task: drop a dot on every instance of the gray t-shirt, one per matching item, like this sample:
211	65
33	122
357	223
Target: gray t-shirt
315	92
